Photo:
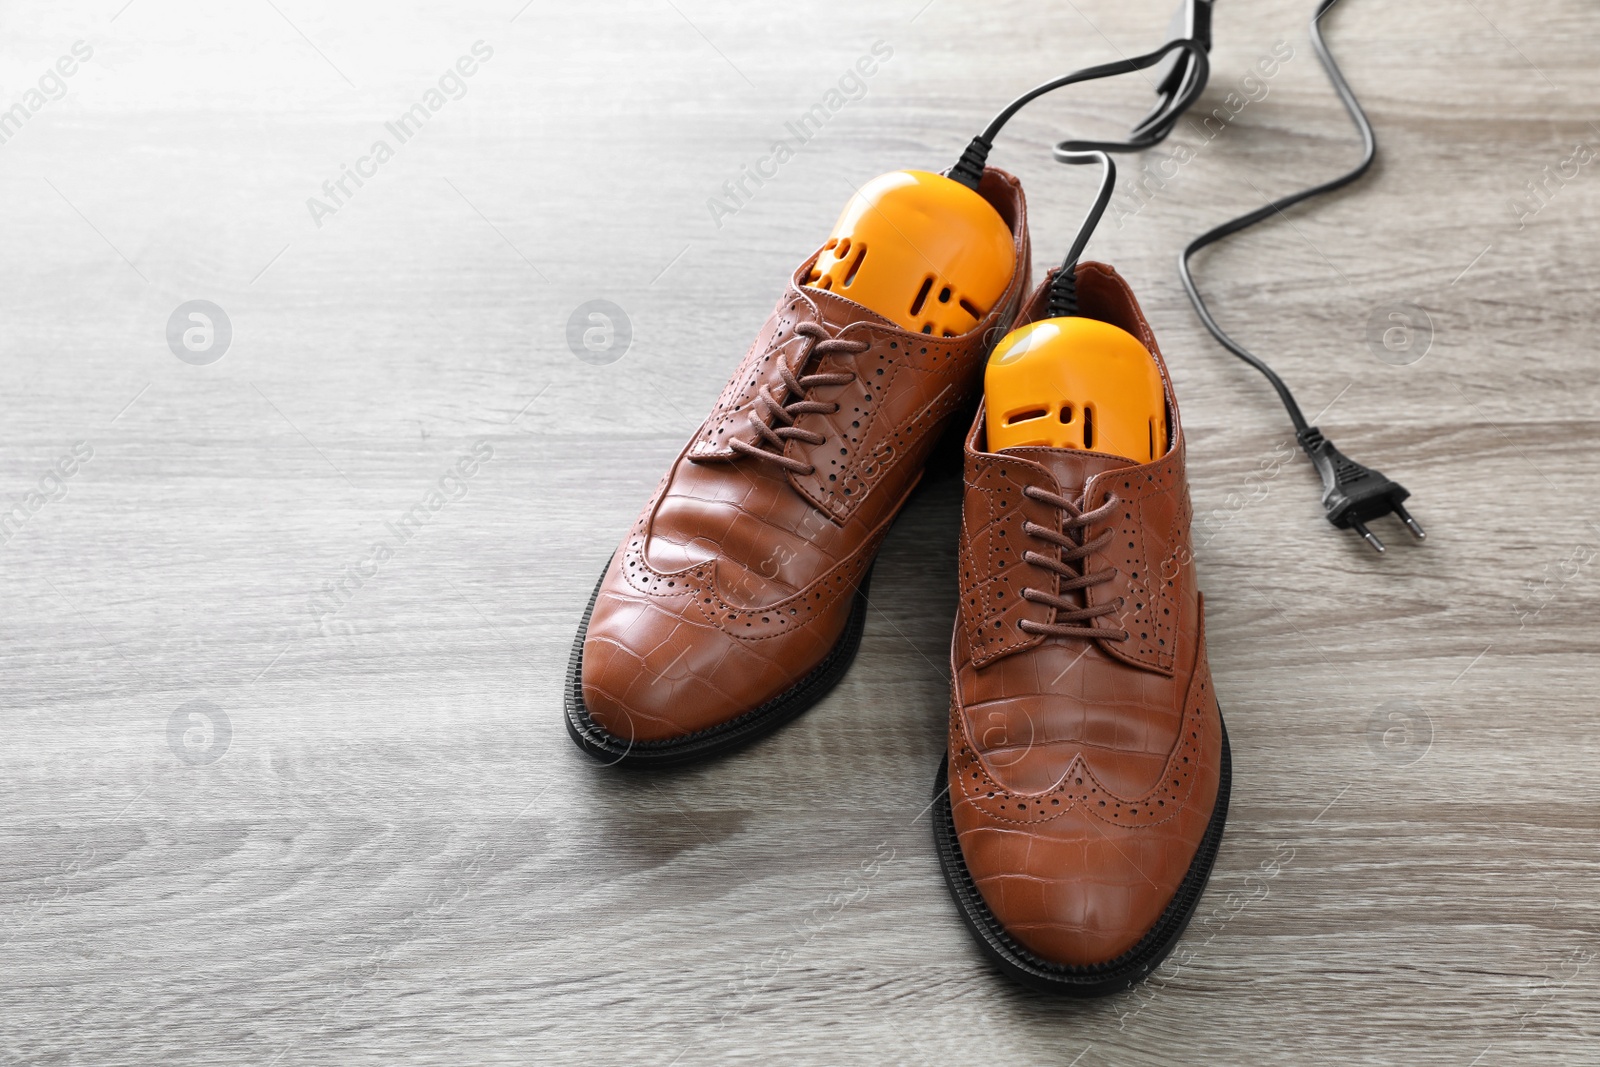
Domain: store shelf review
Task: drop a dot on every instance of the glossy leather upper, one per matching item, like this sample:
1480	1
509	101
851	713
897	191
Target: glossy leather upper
738	577
1083	771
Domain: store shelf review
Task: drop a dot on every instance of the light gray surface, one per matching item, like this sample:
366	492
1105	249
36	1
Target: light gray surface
400	856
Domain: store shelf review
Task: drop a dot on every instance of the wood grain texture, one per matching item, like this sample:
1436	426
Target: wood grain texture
400	857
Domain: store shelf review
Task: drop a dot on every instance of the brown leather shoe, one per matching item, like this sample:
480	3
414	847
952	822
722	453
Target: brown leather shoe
738	598
1086	788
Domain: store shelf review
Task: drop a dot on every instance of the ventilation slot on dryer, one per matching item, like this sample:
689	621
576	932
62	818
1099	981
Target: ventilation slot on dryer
861	254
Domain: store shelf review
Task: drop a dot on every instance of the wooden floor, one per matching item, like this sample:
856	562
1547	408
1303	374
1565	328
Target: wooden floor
247	819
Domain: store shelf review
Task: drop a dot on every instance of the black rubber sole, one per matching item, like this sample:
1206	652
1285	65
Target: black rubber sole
725	737
1100	980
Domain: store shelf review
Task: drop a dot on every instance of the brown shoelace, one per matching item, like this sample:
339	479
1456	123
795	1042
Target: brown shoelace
773	422
1071	619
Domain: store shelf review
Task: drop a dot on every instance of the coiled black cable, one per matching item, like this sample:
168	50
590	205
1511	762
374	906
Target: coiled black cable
1352	494
1182	85
1153	130
1276	207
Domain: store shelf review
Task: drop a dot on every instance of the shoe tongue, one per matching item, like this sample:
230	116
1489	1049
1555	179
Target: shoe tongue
835	312
1072	468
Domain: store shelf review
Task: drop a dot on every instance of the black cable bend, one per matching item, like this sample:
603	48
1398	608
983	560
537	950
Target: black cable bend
1233	226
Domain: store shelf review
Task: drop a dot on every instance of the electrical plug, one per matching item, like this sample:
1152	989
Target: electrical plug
1352	494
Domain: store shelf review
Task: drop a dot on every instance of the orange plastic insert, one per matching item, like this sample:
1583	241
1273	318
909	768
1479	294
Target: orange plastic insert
925	252
1075	383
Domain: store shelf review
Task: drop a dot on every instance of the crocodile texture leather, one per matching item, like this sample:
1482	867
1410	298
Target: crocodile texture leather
1083	770
739	576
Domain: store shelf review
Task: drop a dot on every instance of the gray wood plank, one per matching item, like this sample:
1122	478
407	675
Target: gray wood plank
400	856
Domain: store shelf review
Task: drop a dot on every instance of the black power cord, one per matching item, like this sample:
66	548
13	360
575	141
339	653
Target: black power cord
1192	70
1064	287
1185	68
1352	494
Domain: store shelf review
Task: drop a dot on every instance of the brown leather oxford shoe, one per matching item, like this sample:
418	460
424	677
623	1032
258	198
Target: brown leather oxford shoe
737	600
1083	800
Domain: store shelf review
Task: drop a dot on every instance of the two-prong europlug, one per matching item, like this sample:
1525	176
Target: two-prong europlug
1352	494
